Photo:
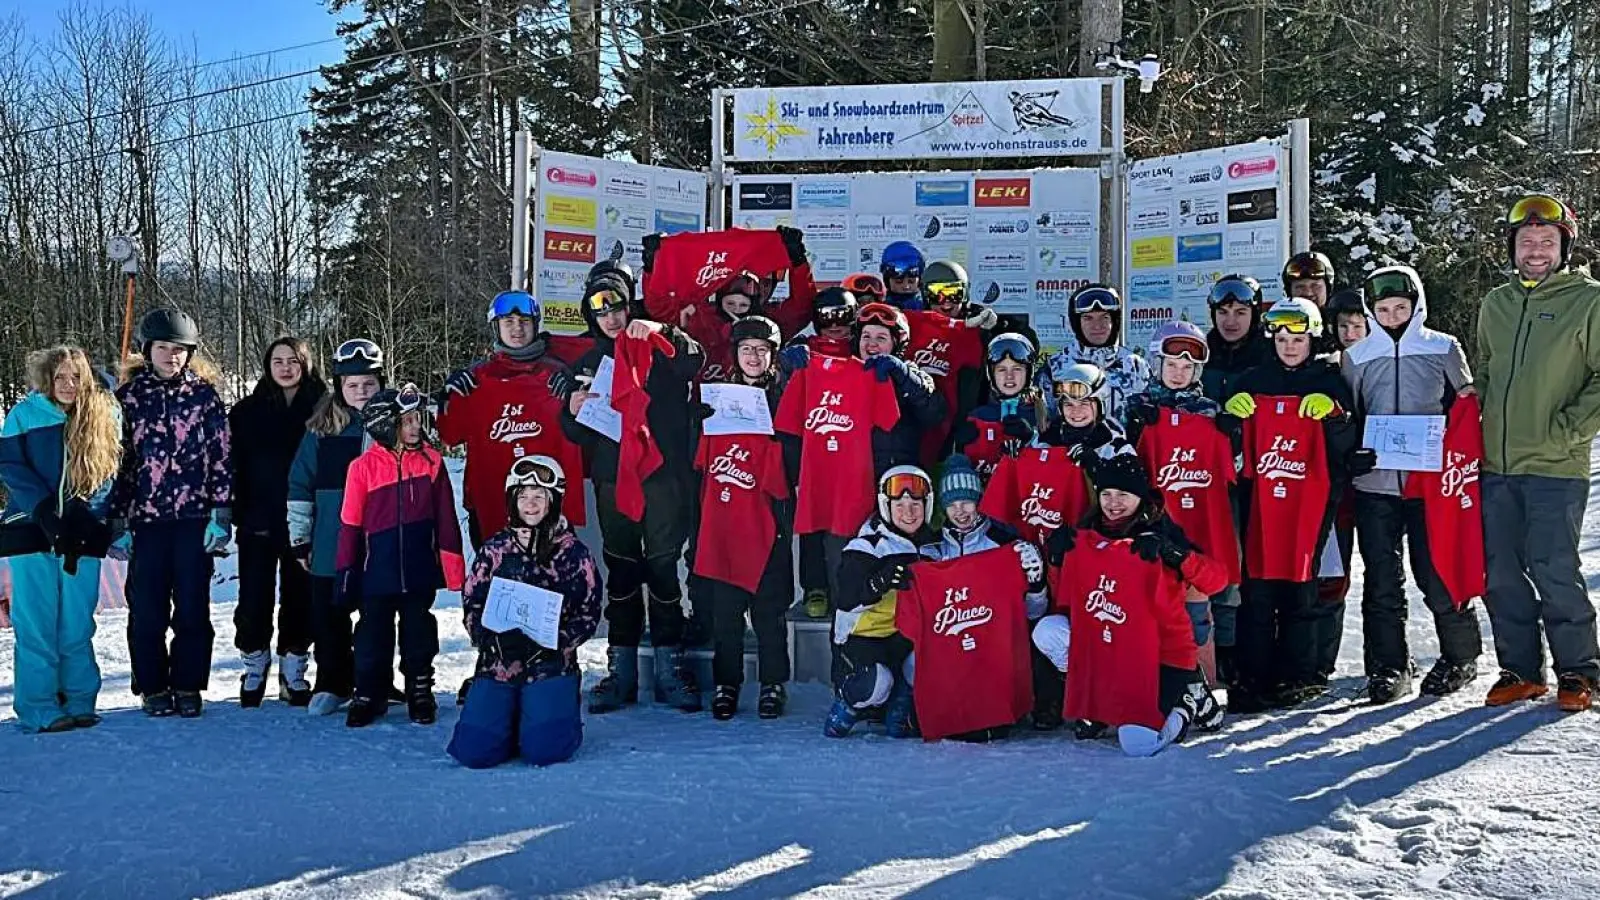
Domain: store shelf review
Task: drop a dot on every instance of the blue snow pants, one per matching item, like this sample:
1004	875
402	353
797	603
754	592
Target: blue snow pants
538	721
52	614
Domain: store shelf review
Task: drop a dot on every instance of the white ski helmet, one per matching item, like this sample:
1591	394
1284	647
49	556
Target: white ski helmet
1295	315
900	481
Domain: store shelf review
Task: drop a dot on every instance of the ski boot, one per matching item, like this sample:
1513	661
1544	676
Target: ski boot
59	725
1389	686
773	700
253	687
421	705
725	703
1511	687
1447	677
85	720
159	706
1085	730
325	703
1200	706
1574	692
900	713
620	686
816	603
188	703
293	688
364	711
841	718
675	686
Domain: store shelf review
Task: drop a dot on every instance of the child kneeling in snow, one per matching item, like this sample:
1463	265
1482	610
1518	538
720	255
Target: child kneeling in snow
1123	579
525	697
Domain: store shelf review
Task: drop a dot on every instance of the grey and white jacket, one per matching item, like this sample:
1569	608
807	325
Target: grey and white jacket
1416	375
989	535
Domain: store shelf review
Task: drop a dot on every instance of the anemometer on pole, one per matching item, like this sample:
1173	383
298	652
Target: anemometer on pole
124	250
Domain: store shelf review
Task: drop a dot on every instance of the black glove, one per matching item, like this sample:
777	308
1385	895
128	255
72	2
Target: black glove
461	383
1017	428
795	357
1360	461
87	534
1141	414
794	241
894	576
562	384
702	411
44	515
652	246
1153	546
888	368
1060	544
1077	452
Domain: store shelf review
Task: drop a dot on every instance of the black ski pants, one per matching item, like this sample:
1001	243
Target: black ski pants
768	608
375	641
268	572
1382	521
645	553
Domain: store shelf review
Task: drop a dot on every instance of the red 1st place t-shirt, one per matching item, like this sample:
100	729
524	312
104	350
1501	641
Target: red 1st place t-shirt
1286	461
966	618
1036	492
833	405
1191	464
944	348
742	475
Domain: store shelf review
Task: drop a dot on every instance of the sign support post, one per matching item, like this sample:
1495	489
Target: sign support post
1300	184
521	209
719	166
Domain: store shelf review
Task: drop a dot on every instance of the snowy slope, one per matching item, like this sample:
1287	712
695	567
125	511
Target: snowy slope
1417	800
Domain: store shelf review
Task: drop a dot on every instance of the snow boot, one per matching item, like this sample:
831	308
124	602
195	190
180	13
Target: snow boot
1227	668
324	703
1200	707
1389	686
293	687
675	686
1085	730
363	712
841	718
159	706
1292	695
421	705
188	703
620	686
1447	677
900	713
1046	719
1511	688
773	700
725	703
85	720
253	686
59	725
816	603
1574	692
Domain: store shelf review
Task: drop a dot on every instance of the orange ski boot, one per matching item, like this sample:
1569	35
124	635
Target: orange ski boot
1511	688
1574	692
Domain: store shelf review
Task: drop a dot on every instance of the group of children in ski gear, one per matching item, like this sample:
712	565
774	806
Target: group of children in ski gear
1110	538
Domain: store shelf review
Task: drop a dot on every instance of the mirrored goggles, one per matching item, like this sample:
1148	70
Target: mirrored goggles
1291	320
1091	299
907	485
1390	284
358	348
1538	208
604	300
1183	347
1074	390
513	303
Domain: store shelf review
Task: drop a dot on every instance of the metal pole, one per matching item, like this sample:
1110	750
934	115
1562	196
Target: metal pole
1119	188
718	165
519	209
127	315
1300	183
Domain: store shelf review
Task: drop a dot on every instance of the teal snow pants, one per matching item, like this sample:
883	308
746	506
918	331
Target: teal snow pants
52	614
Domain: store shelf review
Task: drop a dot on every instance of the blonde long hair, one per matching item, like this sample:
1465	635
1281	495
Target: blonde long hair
93	433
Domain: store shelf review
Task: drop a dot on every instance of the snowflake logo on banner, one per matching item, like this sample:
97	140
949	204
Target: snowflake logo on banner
770	126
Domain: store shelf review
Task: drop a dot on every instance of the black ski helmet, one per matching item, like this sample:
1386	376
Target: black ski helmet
945	272
1015	347
358	356
381	416
1090	298
170	325
1240	289
755	328
610	286
1308	265
832	307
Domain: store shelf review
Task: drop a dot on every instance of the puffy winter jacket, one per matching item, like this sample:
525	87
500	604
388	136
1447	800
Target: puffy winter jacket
1538	356
266	434
1415	376
176	462
568	570
316	492
988	535
876	546
33	467
398	529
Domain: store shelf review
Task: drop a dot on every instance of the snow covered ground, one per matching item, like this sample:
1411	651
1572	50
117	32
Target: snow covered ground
1422	799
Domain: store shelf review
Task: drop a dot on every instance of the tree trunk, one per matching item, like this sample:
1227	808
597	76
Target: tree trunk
585	22
1100	24
1519	48
952	42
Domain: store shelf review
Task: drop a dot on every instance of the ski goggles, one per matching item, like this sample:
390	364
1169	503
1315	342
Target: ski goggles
410	399
1292	320
1075	390
1183	346
1014	347
513	303
1391	284
892	271
865	284
946	292
881	314
605	300
906	485
1539	209
834	316
1308	268
1095	298
537	471
358	349
1231	290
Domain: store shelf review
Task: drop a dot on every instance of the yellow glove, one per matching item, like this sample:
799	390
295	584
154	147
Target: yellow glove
1316	406
1240	405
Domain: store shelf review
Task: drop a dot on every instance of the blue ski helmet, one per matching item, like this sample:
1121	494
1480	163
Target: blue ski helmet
901	259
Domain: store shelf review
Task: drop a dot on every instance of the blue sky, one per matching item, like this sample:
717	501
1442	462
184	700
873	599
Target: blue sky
217	29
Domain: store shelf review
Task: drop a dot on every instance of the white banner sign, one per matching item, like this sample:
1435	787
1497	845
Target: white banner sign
1028	239
1196	216
948	120
588	209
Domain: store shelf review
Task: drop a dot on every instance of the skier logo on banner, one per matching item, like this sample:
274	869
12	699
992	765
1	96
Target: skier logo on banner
1030	113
